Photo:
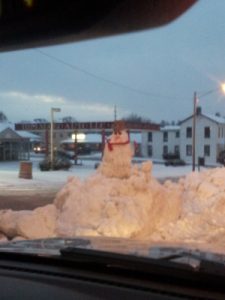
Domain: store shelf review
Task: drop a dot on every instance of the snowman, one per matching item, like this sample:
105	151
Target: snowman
118	153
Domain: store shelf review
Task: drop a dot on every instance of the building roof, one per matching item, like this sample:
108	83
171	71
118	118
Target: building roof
9	134
4	125
23	134
170	128
89	138
214	118
31	136
97	138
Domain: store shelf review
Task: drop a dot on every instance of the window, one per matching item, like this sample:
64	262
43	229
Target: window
150	136
177	134
189	150
165	136
206	150
150	150
207	132
165	150
189	132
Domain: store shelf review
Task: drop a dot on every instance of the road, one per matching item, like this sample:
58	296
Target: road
21	200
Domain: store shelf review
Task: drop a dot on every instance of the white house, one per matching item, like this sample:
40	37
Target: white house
156	144
209	141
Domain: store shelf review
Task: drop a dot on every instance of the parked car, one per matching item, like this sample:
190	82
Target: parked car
175	162
39	149
221	158
171	156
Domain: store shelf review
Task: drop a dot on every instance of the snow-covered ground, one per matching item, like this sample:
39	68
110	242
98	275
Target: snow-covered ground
9	174
41	180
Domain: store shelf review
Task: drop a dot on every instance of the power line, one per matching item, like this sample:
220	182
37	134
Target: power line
208	93
115	83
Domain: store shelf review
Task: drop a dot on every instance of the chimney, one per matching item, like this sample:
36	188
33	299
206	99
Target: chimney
198	111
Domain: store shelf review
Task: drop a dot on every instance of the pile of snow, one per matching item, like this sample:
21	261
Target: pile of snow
124	200
111	206
203	209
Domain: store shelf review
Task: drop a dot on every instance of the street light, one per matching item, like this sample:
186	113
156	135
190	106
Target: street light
223	87
51	134
195	99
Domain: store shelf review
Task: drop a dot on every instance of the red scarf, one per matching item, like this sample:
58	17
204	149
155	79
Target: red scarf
110	145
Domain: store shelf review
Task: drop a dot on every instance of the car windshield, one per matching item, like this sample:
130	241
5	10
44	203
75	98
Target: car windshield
118	137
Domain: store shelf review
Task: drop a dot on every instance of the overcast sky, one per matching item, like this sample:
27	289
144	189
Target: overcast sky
152	73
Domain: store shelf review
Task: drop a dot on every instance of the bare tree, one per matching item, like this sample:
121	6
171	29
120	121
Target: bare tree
3	117
136	119
69	119
164	123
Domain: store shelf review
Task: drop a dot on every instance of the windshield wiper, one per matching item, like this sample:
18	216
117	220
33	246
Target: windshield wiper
199	260
196	261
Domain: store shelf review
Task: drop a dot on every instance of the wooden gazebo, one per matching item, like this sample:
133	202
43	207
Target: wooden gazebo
13	146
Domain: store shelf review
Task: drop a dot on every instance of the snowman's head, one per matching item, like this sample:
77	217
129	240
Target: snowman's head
119	133
119	137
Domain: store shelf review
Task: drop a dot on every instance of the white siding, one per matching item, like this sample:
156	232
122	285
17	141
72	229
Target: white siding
201	141
157	145
158	142
172	140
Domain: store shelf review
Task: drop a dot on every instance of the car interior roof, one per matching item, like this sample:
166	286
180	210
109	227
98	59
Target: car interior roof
36	23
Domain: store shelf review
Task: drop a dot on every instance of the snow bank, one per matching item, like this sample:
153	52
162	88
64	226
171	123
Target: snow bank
124	200
203	209
115	207
39	223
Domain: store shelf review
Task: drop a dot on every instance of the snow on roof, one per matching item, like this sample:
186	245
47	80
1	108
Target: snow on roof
24	134
170	128
97	138
215	118
89	138
4	125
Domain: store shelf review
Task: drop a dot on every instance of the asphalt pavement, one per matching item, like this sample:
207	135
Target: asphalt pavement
22	199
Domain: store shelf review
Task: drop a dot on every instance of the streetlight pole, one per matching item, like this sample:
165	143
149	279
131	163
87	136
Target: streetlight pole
194	130
51	135
75	147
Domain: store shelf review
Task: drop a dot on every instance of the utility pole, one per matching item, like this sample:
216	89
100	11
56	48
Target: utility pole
194	130
51	135
115	113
